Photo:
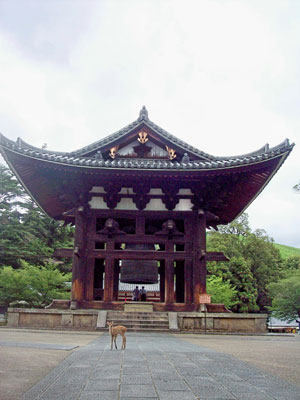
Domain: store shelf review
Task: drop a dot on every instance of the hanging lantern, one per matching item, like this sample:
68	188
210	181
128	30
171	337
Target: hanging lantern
139	271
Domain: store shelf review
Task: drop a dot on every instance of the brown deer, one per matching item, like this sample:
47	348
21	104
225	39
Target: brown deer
114	331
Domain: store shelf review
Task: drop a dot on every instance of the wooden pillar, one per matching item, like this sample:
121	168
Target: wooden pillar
162	281
169	275
116	273
188	264
90	259
109	273
79	258
199	267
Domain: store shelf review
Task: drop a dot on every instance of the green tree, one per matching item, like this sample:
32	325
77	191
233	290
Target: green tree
254	262
35	285
13	286
291	263
221	292
285	296
26	233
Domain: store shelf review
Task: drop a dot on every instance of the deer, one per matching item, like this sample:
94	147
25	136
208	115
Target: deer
114	331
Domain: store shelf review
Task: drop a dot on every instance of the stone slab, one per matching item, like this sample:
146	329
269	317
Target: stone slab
101	319
138	307
173	321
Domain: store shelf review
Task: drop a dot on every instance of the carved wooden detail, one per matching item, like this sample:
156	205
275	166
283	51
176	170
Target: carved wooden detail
112	200
142	150
171	153
170	199
111	228
141	199
169	229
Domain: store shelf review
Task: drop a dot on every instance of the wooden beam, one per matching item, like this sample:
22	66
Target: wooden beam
142	255
216	256
63	253
136	239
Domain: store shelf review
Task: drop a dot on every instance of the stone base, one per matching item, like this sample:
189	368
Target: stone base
89	319
138	307
222	322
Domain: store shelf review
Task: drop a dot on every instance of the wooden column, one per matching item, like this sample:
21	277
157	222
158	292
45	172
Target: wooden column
162	281
109	273
169	275
90	259
188	264
116	273
79	258
199	267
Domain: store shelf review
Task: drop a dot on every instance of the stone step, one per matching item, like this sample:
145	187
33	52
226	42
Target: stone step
140	321
136	317
146	314
133	325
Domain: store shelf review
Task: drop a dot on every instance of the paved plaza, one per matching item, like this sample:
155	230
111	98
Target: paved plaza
156	366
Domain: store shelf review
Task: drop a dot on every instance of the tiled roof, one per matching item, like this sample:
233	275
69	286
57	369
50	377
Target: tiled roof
79	158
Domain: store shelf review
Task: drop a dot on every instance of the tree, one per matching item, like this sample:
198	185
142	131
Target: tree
26	232
35	285
285	296
291	263
254	262
222	292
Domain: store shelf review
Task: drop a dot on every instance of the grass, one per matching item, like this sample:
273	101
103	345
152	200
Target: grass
287	251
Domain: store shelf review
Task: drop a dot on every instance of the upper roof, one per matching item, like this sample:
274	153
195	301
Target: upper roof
225	186
96	155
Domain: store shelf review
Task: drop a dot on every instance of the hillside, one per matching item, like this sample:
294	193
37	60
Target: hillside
287	251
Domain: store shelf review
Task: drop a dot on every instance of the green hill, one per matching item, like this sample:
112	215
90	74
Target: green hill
287	251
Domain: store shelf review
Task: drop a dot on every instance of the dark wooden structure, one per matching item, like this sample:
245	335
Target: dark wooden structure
141	185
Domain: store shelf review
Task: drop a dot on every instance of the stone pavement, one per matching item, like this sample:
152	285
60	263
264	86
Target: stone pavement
157	366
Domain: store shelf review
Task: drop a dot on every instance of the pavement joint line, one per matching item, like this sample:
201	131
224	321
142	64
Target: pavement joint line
92	371
244	380
153	383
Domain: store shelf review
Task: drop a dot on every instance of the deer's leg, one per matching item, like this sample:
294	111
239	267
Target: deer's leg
124	342
116	342
111	342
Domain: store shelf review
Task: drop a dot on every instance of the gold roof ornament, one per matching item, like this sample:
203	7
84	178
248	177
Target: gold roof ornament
143	137
113	151
171	153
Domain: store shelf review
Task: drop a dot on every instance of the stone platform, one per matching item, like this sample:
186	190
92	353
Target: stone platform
87	320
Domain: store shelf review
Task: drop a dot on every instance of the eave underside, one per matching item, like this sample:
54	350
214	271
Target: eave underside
224	193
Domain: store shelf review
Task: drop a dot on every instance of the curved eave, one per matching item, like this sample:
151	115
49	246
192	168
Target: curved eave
147	165
41	178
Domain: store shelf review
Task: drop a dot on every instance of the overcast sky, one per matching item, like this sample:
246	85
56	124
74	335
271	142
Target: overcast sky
222	75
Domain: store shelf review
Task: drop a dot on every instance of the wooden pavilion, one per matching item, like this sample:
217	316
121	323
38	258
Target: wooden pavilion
145	197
